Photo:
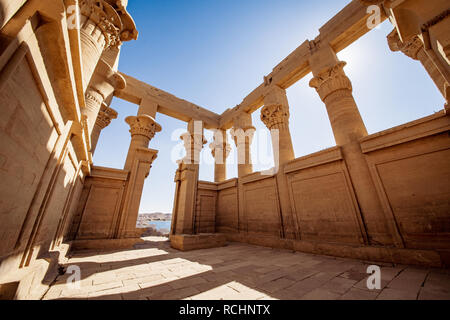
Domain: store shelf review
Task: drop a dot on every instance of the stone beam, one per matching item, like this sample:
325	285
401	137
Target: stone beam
342	30
168	104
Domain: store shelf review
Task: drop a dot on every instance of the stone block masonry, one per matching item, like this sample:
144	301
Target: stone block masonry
382	197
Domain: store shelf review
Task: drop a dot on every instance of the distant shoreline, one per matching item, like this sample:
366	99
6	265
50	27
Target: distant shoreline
146	219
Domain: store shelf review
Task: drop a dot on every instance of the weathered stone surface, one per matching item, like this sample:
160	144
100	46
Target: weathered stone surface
155	271
199	241
380	197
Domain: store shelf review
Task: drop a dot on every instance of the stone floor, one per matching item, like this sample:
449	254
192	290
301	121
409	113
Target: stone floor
239	271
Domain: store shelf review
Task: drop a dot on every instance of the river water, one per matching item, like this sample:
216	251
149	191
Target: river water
160	224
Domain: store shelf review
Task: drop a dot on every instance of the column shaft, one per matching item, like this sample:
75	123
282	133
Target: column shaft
242	133
335	90
139	161
187	180
220	150
275	115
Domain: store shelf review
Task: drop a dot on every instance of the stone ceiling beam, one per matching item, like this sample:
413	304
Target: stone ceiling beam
342	30
168	104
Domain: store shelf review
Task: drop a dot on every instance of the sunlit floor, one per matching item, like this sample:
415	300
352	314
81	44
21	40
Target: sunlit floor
155	271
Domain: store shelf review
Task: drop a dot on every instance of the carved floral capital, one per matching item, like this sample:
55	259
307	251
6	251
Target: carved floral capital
331	80
143	125
112	18
410	48
243	135
275	116
220	149
105	116
195	141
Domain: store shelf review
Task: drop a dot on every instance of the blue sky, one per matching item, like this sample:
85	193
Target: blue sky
213	53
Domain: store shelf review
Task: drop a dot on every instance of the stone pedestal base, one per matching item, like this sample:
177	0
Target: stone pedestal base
369	254
187	242
105	244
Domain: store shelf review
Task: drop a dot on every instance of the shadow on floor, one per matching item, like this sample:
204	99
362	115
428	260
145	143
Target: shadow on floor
237	271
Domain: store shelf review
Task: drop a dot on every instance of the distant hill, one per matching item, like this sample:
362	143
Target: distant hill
156	216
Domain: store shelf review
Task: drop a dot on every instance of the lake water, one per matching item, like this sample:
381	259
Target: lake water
161	224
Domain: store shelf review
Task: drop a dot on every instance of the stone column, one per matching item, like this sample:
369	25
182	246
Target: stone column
430	23
104	118
103	24
415	49
275	115
193	142
220	150
242	133
139	161
335	90
142	128
434	30
186	180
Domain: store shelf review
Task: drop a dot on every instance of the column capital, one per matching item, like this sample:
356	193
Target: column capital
220	149
105	116
275	116
331	80
112	18
197	140
193	143
411	48
143	125
239	134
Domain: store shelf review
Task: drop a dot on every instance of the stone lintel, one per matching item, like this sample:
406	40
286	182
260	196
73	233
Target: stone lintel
343	29
138	92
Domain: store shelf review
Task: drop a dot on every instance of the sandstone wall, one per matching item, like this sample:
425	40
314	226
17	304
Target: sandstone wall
410	167
46	130
205	222
98	211
41	147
